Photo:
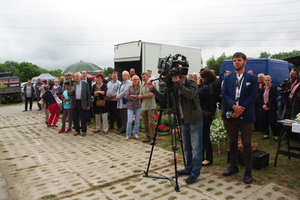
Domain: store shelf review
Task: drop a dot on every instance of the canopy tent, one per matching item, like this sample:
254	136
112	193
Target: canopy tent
43	76
81	66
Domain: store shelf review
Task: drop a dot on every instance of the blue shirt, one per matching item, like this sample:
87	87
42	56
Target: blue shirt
112	88
78	91
66	104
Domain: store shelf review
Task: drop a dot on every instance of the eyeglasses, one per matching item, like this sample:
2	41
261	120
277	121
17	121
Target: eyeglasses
135	79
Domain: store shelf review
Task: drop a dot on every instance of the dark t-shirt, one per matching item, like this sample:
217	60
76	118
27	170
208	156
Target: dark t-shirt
48	98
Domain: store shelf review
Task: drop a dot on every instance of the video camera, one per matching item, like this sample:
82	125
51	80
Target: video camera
169	66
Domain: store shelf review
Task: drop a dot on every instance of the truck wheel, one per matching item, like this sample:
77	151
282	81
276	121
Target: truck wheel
3	100
19	99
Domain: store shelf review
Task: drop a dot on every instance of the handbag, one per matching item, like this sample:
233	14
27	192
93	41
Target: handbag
100	103
124	100
58	101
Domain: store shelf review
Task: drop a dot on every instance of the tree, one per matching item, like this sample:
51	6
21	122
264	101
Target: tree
55	73
264	55
281	55
284	55
8	66
215	64
108	71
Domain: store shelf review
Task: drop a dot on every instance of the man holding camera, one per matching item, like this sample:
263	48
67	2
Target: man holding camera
239	93
189	113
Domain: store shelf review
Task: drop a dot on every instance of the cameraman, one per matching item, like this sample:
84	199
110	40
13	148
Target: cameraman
189	113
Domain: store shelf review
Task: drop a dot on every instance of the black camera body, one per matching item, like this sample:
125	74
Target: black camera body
169	66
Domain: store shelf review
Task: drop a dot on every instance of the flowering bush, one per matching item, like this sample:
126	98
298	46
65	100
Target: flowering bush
218	133
162	128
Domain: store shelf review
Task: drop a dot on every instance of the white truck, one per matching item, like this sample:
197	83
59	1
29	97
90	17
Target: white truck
143	56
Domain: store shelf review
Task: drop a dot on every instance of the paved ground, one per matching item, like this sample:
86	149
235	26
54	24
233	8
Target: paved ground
38	163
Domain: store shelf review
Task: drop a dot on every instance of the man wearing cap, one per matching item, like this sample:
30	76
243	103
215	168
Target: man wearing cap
80	103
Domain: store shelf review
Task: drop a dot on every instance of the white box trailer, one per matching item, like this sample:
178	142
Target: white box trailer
143	56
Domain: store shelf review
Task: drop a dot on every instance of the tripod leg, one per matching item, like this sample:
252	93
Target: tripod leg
153	143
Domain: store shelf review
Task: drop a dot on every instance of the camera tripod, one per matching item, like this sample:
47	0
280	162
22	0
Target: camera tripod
173	124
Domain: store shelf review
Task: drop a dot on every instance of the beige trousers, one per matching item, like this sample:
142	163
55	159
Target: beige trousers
104	120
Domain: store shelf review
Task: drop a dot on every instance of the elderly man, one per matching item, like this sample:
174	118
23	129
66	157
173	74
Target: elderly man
148	108
132	72
62	81
87	79
80	103
28	91
38	92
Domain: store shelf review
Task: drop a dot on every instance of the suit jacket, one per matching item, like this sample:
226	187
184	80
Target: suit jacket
85	95
272	103
247	97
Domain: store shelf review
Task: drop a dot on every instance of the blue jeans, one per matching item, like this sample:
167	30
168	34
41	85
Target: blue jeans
130	113
281	102
193	148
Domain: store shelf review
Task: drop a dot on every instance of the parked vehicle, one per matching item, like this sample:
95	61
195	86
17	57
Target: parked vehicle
277	69
143	56
10	88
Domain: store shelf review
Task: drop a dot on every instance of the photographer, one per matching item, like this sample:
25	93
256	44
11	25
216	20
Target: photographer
189	113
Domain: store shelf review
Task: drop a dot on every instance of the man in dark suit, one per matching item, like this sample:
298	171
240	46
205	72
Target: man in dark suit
87	79
80	94
239	93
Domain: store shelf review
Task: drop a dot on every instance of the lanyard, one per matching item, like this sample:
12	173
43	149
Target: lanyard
239	81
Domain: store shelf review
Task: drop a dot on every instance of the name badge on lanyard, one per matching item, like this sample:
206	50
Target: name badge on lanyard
238	82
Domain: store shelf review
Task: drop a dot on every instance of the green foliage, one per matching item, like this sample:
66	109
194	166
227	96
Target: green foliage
281	55
26	70
284	55
264	55
108	71
215	64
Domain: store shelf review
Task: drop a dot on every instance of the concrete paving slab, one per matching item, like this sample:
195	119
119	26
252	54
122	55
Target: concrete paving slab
38	163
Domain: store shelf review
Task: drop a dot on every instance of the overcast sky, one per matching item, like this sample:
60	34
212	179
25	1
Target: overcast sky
56	33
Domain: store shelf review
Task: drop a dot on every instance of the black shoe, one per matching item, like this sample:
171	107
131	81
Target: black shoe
191	179
230	171
182	172
248	178
208	164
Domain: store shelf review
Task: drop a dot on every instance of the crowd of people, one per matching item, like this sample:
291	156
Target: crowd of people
249	103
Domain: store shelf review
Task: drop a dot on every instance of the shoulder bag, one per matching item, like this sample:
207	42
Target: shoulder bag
58	101
100	103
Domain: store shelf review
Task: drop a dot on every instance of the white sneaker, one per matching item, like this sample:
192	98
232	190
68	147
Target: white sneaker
126	138
136	137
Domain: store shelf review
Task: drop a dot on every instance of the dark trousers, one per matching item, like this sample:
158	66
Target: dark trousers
270	118
26	102
79	112
207	146
113	113
258	124
233	126
38	98
123	115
